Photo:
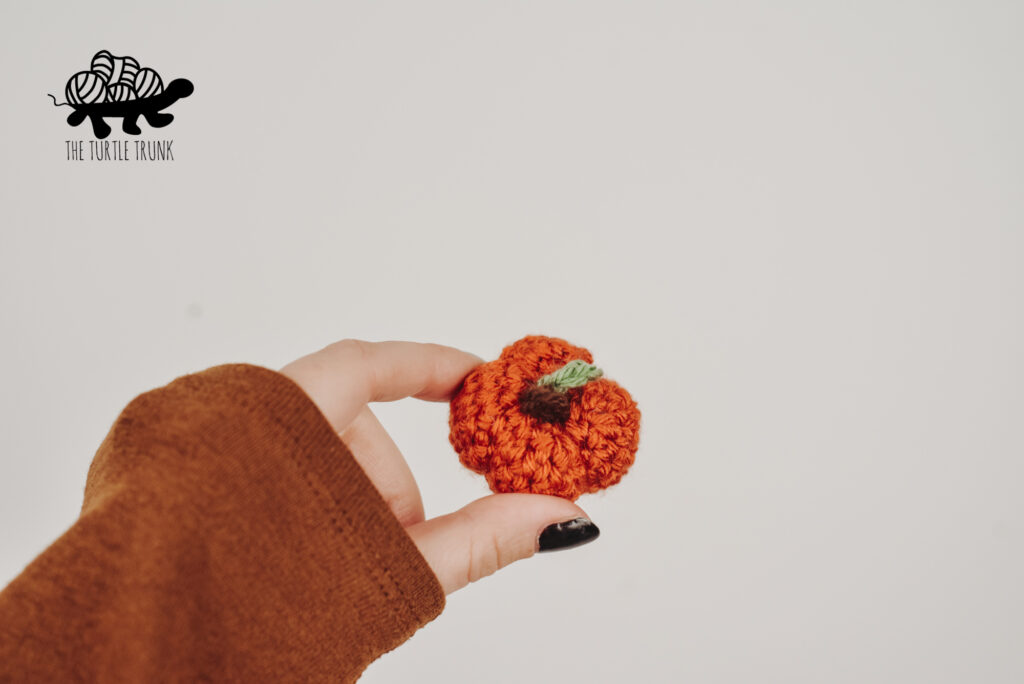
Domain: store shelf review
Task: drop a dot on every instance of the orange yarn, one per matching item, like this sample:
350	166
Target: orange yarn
591	450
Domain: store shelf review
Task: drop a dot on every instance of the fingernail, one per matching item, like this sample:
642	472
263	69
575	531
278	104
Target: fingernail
566	535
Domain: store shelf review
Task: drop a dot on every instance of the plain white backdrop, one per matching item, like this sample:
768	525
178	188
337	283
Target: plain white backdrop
792	230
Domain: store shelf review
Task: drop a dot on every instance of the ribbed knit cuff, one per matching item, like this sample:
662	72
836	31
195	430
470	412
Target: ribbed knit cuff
337	482
299	544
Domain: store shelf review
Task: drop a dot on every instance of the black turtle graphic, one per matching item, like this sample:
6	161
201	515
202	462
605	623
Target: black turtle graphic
118	87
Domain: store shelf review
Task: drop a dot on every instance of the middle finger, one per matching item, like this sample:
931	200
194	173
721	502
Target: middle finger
383	463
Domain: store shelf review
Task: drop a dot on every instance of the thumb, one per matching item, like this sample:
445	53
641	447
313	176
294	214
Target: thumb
488	534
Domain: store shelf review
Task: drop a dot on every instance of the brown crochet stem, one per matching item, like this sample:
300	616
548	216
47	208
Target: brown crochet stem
545	403
548	399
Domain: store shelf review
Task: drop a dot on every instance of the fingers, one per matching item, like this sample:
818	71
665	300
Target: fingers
380	459
492	532
345	375
397	370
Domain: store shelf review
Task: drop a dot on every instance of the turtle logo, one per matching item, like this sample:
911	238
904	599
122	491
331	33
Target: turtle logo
119	87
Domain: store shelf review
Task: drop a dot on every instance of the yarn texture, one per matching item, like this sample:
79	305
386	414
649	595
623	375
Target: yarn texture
86	87
542	419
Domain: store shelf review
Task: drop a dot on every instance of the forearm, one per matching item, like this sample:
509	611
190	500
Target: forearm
226	533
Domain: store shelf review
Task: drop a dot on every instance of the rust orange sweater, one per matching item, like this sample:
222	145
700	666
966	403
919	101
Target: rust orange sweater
227	534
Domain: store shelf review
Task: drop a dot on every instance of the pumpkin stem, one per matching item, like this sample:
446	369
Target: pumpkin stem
547	400
576	373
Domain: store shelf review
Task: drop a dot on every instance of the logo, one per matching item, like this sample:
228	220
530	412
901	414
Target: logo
119	88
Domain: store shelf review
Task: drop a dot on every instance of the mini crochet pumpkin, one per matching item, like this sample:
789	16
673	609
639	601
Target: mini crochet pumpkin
542	419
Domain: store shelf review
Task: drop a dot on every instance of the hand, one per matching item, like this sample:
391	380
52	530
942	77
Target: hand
474	541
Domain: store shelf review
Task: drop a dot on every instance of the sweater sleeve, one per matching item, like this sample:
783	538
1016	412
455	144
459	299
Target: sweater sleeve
226	534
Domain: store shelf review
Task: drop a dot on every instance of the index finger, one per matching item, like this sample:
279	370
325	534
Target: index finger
345	375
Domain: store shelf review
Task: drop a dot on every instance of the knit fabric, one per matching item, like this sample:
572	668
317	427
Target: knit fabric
227	535
516	433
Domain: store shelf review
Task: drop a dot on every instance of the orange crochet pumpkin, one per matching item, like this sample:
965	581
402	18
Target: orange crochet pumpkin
542	419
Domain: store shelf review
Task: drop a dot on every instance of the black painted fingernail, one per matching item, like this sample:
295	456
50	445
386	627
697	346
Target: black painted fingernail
565	535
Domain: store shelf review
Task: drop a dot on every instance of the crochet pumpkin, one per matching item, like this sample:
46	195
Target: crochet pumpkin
542	419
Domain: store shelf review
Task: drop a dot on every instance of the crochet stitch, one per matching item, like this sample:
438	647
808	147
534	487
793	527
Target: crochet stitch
542	419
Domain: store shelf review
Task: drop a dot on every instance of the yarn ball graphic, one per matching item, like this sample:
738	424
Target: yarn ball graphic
542	419
86	87
119	92
148	83
115	69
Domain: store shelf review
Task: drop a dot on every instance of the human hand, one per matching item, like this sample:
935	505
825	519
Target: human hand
474	541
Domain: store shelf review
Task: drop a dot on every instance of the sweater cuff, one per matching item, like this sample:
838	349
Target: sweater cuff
312	542
339	486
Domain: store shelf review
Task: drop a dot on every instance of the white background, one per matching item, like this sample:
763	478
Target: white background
792	230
